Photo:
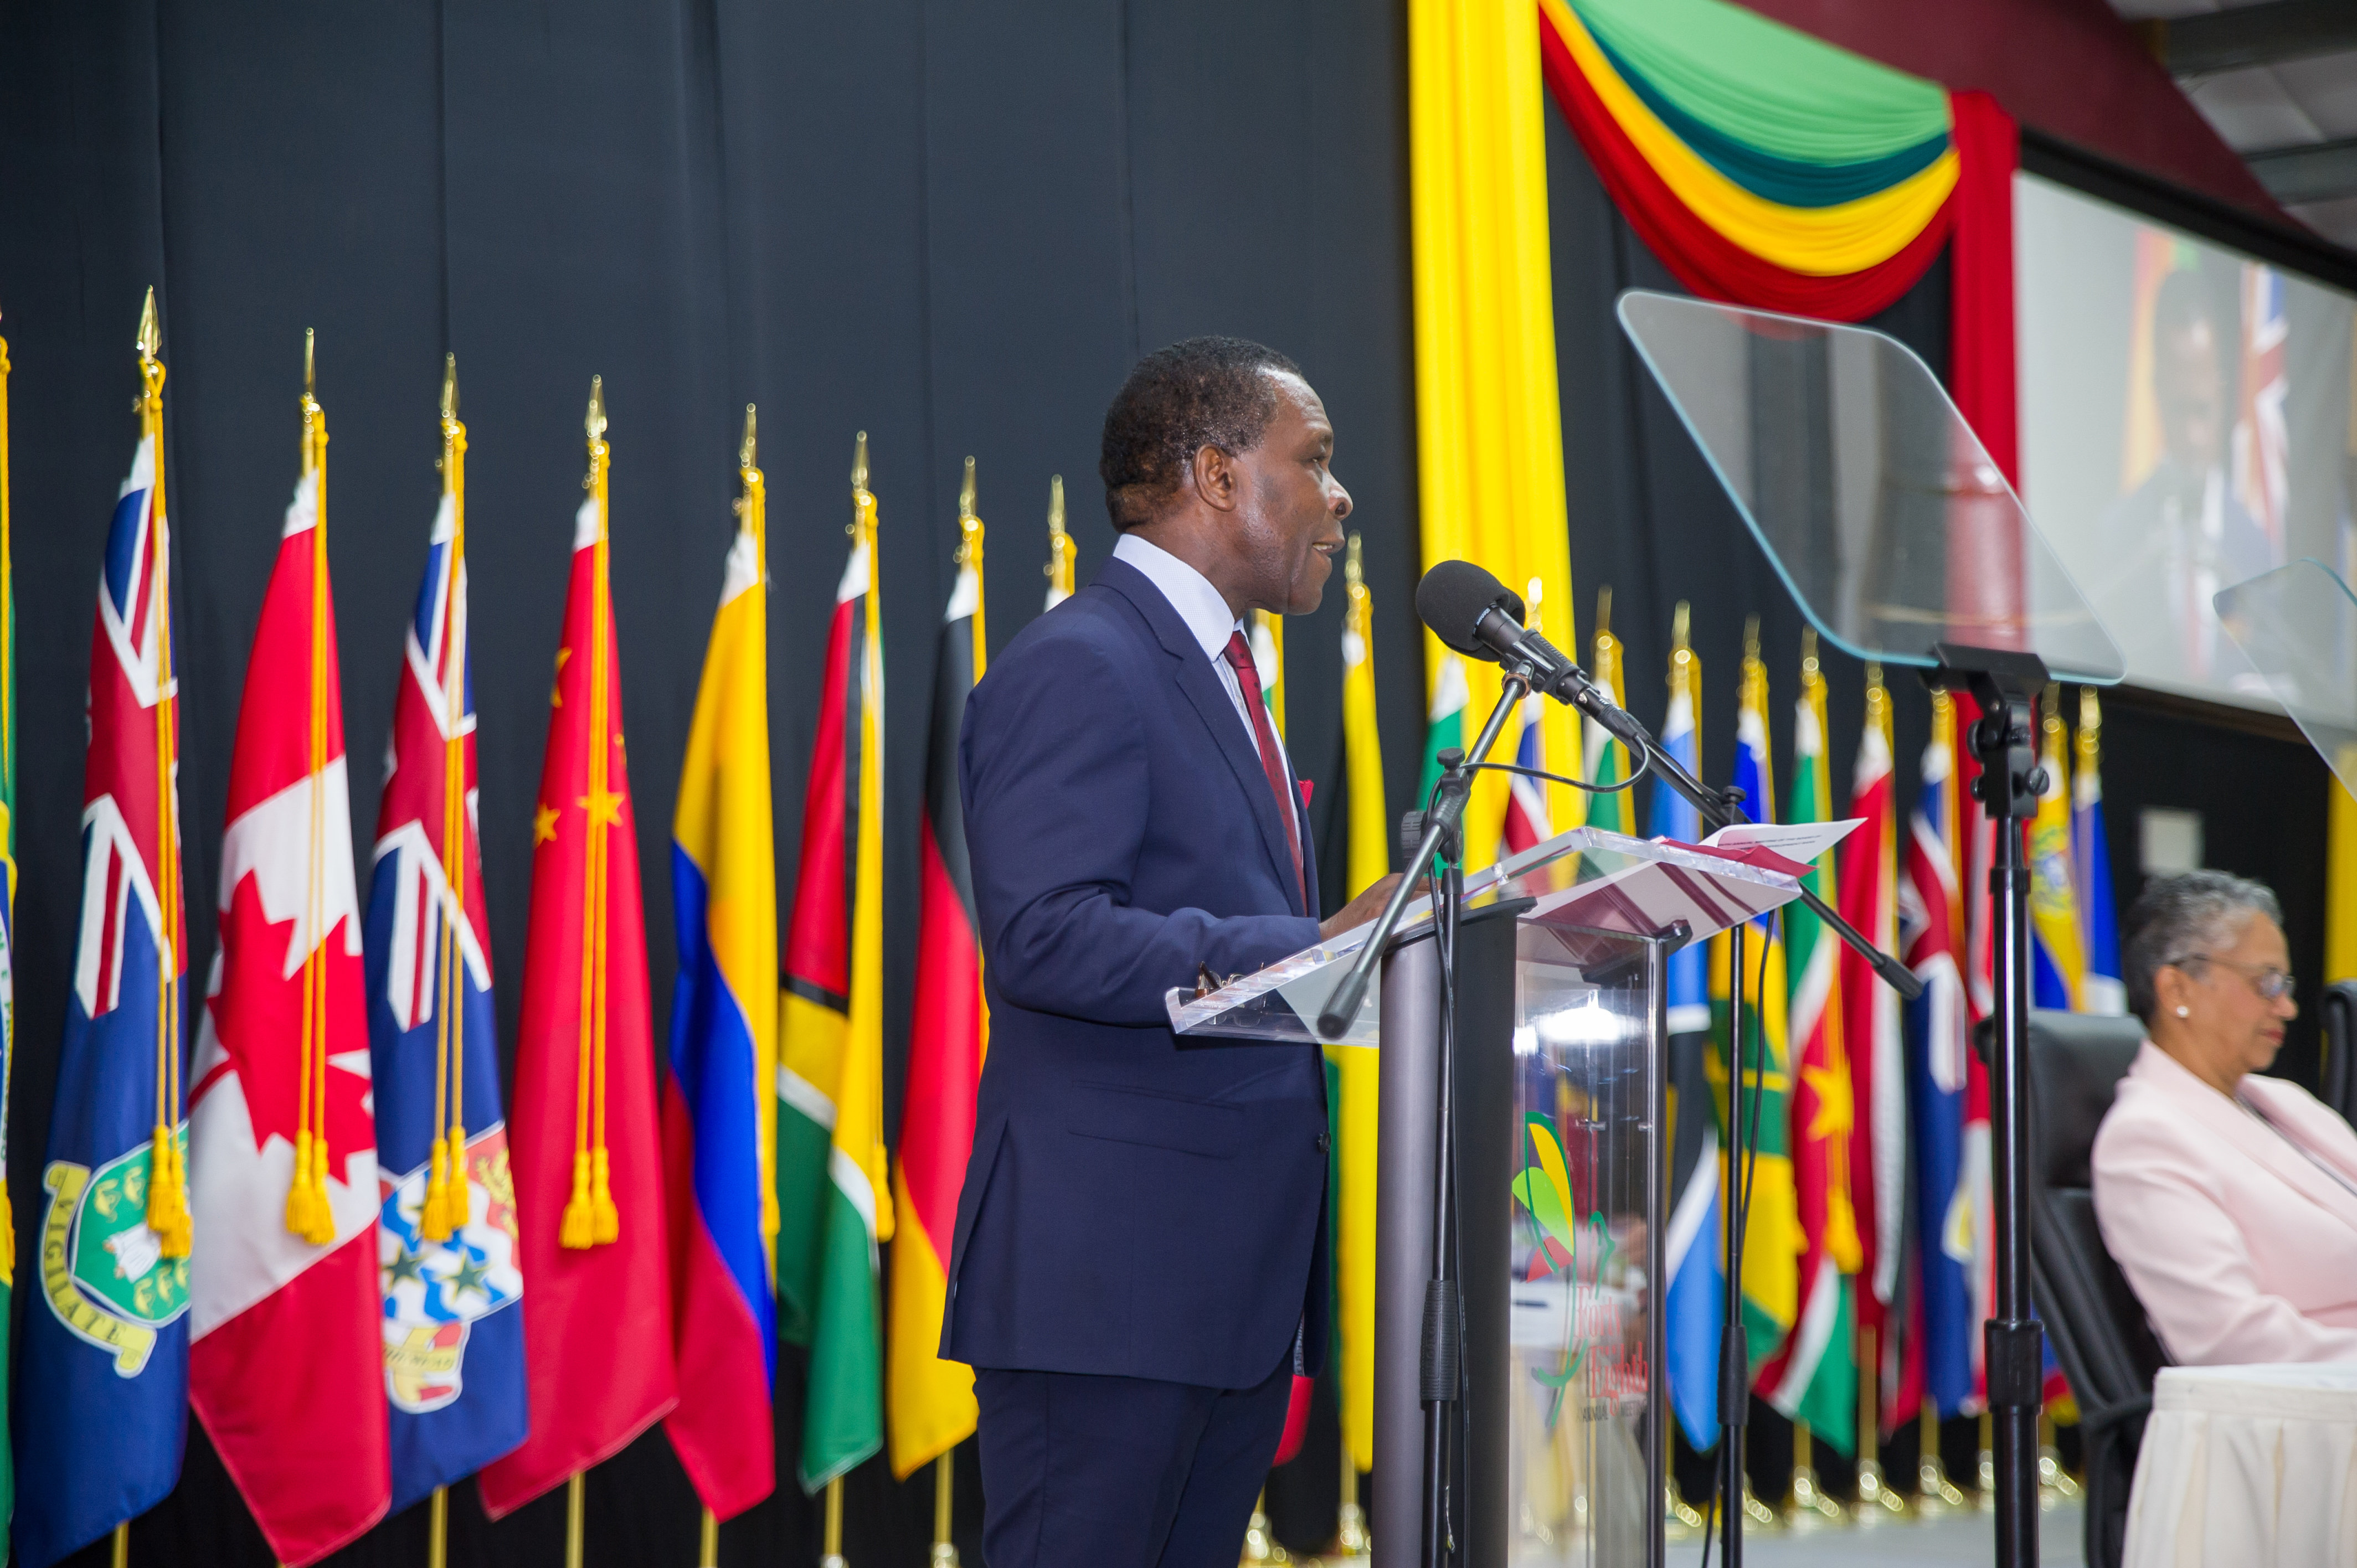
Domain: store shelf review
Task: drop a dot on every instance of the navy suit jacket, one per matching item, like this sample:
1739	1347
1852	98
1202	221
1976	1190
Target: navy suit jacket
1135	1204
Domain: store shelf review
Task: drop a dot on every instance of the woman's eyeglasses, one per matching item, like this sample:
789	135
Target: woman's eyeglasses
2273	984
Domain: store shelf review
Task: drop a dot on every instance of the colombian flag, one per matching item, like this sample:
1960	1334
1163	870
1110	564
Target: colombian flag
931	1400
717	1105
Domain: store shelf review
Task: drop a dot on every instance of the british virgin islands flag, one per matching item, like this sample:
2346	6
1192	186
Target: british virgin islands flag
447	1253
103	1392
719	1109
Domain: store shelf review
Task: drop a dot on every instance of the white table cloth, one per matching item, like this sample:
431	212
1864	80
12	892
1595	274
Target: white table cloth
2251	1465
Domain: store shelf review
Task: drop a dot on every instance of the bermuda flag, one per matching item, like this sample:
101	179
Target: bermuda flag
718	1099
589	1180
285	1362
103	1396
833	1203
1696	1297
1948	1223
447	1254
931	1401
1870	1013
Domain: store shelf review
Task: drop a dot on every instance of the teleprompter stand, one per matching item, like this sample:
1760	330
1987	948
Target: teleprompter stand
1901	541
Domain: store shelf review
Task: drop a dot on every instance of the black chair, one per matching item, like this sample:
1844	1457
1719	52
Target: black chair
2339	1088
2097	1327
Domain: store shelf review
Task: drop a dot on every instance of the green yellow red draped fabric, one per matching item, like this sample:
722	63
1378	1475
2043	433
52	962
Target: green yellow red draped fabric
1773	170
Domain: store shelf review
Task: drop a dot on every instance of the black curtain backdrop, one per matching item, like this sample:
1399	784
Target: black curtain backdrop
952	225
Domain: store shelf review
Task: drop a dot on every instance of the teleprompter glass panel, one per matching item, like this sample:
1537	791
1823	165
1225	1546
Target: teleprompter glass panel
2297	625
1871	495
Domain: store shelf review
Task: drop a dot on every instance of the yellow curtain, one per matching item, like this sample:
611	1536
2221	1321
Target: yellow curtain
1490	434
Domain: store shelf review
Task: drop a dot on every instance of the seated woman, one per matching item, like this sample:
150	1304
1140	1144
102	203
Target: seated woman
2229	1199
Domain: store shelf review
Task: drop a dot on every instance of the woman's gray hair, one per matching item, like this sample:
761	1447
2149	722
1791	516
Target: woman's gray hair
2176	917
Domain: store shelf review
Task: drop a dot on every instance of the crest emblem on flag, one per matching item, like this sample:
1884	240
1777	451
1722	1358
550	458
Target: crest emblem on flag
103	1270
435	1292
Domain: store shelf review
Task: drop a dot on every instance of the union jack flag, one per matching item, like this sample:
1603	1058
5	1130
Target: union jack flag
2262	439
1527	802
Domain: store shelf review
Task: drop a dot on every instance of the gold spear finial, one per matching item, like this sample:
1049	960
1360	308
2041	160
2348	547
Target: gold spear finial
449	386
310	381
859	464
1751	637
747	448
1680	621
967	494
1604	611
2091	713
1808	650
594	424
1055	504
1354	572
151	342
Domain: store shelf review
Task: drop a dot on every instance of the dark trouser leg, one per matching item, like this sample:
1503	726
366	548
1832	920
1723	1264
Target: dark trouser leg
1232	1461
1113	1472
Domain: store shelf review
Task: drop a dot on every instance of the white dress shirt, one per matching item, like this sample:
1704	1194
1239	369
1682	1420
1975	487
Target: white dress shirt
1203	609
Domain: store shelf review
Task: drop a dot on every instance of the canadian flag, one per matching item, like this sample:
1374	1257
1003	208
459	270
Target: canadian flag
285	1363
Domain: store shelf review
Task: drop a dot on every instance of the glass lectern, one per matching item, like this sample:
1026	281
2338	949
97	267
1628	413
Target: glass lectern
1560	1056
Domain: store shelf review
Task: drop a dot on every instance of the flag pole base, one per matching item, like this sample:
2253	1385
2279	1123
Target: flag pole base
1812	1510
575	1492
1681	1521
1261	1544
1350	1545
945	1553
1878	1502
832	1556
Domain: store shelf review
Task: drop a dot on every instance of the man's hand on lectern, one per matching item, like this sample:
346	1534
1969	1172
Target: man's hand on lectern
1360	910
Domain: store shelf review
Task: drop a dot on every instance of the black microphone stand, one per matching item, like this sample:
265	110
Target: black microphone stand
1441	1352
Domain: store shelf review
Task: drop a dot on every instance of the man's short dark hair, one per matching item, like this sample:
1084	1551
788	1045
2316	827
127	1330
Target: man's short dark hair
1204	391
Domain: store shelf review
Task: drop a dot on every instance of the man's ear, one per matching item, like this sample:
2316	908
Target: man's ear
1216	479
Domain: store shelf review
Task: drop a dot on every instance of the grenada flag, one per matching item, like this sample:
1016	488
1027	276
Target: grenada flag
285	1361
931	1401
717	1095
589	1176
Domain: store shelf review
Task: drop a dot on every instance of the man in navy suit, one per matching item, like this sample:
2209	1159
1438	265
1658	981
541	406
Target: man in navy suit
1140	1264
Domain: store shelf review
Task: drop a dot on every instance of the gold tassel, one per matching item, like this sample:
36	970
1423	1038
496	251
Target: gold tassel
300	1197
323	1218
609	1218
433	1224
578	1230
168	1194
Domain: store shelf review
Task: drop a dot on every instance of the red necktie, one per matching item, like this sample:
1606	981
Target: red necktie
1272	761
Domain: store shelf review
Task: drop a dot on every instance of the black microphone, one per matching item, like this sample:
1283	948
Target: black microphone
1472	612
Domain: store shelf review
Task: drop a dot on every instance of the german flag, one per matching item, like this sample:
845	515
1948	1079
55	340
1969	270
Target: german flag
929	1402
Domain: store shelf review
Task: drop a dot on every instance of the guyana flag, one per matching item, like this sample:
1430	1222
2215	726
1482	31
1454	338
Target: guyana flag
1354	1072
1813	1377
833	1207
1773	1240
1606	758
931	1400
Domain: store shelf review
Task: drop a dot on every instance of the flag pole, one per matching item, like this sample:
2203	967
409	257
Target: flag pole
437	1530
944	1549
122	1544
707	1552
833	1557
573	1488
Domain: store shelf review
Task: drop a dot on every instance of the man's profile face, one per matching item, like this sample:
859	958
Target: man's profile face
2190	390
1290	506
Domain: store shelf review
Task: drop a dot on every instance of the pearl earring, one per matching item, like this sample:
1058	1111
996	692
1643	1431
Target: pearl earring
2183	1011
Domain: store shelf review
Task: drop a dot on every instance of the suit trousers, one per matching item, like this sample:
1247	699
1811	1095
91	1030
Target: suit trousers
1123	1472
